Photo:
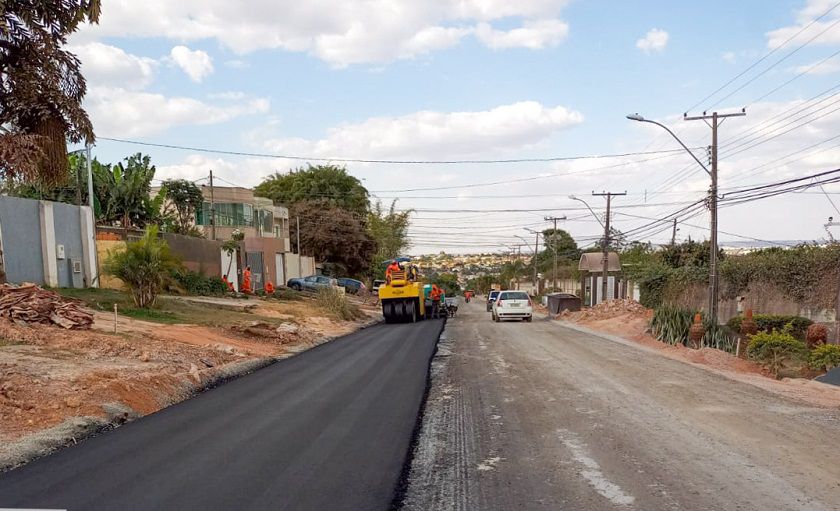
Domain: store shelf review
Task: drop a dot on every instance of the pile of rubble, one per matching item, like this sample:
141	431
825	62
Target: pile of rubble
30	303
613	308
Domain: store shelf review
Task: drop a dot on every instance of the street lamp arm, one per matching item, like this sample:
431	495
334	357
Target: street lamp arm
639	118
589	208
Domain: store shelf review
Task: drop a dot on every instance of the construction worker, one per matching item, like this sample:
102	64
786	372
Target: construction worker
394	266
269	287
435	294
229	284
413	272
246	280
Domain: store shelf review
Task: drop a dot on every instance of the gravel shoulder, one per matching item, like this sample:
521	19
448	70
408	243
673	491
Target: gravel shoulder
538	416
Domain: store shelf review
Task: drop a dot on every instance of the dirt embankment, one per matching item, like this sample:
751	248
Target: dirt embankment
64	381
629	320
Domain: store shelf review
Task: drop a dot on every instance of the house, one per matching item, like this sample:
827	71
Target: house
266	247
591	266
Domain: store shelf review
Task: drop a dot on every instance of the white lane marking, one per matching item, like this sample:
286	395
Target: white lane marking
592	471
489	464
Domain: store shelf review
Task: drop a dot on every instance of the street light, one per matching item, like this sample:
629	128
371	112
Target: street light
587	207
713	245
86	150
534	256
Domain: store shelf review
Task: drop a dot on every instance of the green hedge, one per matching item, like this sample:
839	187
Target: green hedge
770	322
195	283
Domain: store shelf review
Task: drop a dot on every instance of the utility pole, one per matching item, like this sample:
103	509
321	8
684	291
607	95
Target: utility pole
534	261
212	209
90	180
674	234
716	119
606	270
297	235
553	238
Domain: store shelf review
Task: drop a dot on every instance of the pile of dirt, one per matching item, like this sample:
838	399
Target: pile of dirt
30	303
610	309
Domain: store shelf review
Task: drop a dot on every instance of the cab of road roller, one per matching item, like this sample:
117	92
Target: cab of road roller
402	298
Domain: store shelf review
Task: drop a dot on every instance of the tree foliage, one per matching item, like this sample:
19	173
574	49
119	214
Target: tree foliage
446	281
123	192
41	85
144	265
183	199
389	229
333	235
326	183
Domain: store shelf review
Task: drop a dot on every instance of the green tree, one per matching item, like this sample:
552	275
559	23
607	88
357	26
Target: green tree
123	192
183	199
446	281
144	266
333	235
565	246
41	86
389	229
328	183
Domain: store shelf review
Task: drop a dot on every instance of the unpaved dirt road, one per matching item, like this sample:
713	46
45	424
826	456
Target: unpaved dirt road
537	416
327	429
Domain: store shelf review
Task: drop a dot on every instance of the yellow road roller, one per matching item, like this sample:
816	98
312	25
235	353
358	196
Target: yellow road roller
402	296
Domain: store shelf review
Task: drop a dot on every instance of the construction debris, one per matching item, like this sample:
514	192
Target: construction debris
613	308
30	303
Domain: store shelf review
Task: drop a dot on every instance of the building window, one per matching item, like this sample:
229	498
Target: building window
227	215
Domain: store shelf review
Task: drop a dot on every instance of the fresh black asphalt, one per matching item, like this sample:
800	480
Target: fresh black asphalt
328	429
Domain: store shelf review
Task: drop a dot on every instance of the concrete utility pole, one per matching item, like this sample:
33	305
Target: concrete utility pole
90	180
212	209
609	196
554	248
674	234
716	119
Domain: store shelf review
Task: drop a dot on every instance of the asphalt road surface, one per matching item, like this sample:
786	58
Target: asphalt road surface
536	416
327	429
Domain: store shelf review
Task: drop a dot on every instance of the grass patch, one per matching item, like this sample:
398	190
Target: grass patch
336	304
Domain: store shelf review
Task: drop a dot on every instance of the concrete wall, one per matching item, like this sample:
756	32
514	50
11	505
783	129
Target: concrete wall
197	254
41	239
20	227
762	298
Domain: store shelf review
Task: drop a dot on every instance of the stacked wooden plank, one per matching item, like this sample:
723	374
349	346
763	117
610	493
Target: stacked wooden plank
30	303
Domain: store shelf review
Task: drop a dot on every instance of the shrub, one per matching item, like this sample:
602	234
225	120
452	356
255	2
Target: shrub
825	357
816	334
196	283
334	302
671	325
770	322
145	265
774	349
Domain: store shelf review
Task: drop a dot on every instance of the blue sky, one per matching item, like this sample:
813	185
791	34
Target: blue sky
474	79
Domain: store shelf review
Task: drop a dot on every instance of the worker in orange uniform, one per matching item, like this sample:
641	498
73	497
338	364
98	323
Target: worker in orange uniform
435	294
394	266
229	284
269	287
246	280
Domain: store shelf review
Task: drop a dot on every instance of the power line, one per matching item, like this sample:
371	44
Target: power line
390	162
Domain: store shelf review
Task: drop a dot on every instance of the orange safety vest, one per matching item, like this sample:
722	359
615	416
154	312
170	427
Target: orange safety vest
392	268
269	288
436	292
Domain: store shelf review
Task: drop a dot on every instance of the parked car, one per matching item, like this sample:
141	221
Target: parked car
491	297
513	305
376	284
352	286
312	283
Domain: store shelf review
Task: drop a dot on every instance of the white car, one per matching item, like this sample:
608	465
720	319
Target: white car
513	305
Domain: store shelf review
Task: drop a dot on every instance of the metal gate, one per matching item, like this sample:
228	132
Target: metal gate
255	261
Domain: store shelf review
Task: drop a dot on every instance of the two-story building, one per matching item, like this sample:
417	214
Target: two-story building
267	245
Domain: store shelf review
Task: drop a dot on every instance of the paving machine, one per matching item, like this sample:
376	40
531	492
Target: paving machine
402	296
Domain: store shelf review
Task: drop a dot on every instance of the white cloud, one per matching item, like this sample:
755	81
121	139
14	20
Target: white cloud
655	40
108	66
533	34
243	172
118	112
431	134
342	34
819	68
196	64
811	10
729	57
